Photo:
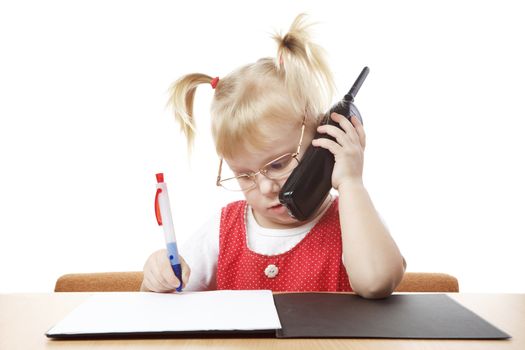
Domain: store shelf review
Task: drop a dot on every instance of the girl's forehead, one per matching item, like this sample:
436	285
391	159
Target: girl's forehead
252	158
280	141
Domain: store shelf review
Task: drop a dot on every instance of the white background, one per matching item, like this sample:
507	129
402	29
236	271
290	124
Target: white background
84	128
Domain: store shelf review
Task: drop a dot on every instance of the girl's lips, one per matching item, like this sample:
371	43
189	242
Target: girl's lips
278	209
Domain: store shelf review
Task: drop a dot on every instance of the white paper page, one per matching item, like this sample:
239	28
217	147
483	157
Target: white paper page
137	312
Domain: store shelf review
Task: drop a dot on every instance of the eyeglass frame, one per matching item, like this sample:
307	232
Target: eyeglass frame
253	176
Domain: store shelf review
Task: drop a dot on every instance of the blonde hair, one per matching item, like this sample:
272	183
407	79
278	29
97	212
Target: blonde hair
254	100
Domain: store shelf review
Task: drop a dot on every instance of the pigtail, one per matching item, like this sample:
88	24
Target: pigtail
306	74
182	93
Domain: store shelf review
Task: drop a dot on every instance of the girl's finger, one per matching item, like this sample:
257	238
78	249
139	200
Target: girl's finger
341	136
169	280
330	145
167	277
360	130
346	125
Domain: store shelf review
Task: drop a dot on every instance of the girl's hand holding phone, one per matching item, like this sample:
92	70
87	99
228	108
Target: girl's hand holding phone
348	151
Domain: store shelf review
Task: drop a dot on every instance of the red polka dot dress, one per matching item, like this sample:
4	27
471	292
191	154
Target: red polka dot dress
314	264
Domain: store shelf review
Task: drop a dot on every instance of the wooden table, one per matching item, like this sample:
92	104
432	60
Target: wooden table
24	318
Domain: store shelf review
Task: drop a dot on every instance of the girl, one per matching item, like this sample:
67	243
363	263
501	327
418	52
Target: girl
264	116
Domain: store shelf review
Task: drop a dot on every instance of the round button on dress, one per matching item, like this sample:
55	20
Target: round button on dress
271	271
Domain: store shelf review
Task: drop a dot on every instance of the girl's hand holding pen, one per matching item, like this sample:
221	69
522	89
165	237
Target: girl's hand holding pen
159	276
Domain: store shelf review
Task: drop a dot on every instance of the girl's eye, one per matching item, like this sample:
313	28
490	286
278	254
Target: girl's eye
276	165
280	164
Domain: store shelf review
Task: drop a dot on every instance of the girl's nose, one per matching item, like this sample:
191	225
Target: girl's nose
266	185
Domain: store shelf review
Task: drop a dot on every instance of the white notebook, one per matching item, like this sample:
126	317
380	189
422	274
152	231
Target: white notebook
136	313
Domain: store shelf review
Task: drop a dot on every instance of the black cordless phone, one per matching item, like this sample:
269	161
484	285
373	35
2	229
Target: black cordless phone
309	183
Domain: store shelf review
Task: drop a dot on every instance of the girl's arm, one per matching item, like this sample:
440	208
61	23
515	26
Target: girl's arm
371	257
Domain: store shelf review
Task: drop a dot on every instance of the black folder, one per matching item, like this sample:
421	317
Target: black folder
414	316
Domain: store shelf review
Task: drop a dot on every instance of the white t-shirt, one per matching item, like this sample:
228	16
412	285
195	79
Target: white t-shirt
201	251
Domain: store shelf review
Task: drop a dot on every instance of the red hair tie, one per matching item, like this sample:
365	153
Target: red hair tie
214	82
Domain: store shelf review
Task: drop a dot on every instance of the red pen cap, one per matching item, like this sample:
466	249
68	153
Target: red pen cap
160	177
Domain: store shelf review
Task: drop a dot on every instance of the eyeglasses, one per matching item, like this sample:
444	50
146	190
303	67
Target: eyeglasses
276	169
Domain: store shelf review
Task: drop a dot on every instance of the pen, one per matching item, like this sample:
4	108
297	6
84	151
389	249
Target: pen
163	215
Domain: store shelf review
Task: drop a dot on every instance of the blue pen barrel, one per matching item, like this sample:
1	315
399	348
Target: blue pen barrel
175	262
